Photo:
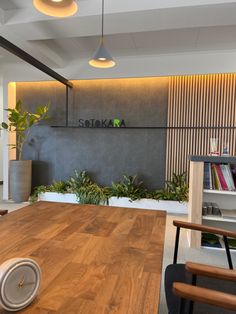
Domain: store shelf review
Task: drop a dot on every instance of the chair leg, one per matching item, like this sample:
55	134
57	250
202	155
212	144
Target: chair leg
228	252
176	245
182	306
191	303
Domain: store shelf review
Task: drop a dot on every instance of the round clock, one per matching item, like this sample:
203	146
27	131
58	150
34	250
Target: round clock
19	283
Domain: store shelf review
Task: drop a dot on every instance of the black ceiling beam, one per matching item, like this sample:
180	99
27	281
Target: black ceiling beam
4	43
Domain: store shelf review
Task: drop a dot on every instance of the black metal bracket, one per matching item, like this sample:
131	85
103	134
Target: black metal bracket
139	127
228	252
176	245
7	45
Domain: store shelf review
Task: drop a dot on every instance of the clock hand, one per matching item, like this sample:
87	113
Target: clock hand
29	283
21	283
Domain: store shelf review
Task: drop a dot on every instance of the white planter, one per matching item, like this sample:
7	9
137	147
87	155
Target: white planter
58	197
172	207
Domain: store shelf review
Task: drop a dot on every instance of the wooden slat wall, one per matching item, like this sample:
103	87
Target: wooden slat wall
197	106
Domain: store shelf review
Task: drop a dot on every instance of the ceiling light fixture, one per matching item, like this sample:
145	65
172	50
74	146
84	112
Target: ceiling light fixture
102	57
56	8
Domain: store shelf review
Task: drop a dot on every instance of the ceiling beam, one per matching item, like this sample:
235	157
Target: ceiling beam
4	43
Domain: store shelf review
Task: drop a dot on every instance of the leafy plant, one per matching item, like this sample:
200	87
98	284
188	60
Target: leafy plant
129	187
87	191
37	191
176	190
59	187
21	121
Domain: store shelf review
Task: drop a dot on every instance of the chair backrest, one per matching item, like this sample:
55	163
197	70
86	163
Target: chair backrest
188	225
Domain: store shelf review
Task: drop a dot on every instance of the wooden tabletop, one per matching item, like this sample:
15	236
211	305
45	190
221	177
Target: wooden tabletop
94	259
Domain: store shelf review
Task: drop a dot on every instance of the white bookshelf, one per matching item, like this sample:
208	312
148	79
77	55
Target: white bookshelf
221	192
198	195
218	218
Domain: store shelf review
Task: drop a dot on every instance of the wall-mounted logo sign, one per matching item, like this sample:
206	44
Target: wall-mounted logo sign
104	123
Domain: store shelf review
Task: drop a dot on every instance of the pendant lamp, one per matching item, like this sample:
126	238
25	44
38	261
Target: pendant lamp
102	58
56	8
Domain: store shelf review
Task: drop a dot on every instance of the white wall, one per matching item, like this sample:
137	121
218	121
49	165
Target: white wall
140	66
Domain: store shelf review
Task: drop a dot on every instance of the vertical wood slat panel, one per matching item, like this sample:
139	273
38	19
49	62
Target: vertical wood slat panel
206	101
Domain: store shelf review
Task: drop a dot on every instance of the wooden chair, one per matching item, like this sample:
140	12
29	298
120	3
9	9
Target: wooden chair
3	212
222	300
182	294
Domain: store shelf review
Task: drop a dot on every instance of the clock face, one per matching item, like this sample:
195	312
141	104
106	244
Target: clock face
19	283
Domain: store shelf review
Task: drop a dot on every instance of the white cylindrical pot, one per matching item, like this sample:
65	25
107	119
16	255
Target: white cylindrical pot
20	180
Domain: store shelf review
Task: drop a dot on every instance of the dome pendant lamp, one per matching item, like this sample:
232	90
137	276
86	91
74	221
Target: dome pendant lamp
56	8
102	57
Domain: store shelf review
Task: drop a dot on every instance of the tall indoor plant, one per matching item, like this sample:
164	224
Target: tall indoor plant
21	122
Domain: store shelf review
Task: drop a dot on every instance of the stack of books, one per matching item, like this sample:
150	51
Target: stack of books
219	177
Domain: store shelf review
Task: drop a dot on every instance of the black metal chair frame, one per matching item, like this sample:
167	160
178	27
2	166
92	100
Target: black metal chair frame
194	277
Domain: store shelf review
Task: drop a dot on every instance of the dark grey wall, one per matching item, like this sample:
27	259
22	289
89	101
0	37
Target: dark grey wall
105	153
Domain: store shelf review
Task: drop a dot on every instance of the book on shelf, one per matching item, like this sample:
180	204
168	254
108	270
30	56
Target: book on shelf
219	176
215	241
228	213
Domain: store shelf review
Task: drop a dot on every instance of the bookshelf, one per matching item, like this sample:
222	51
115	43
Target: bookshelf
198	194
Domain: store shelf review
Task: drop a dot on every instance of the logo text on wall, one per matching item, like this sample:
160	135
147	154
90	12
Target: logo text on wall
103	123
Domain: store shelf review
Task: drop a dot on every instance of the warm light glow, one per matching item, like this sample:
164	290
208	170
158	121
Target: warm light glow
56	8
99	63
102	58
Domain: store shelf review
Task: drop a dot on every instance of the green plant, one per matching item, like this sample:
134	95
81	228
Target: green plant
87	191
37	190
21	121
176	190
59	187
129	187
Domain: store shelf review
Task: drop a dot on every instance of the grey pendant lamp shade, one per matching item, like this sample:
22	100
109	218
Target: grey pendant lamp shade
56	8
102	58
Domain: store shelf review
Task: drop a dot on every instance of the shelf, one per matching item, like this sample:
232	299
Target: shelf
213	159
222	192
218	218
232	250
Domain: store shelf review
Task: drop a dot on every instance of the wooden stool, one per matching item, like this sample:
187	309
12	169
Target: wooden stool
3	212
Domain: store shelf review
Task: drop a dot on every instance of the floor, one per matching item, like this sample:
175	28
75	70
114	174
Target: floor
211	257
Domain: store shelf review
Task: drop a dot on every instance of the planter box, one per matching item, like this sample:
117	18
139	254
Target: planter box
172	207
58	197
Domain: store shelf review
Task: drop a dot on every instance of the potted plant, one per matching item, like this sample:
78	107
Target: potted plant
131	193
21	122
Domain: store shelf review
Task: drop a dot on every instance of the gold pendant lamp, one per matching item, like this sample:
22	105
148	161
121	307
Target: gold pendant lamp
56	8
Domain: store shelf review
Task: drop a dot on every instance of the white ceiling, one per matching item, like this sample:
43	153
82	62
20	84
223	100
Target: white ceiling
133	27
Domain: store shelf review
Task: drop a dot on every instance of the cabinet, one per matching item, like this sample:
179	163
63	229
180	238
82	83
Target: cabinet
198	195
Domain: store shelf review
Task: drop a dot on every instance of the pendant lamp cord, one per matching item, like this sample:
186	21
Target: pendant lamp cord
102	19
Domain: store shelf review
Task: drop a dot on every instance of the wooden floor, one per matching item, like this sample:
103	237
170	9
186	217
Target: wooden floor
94	259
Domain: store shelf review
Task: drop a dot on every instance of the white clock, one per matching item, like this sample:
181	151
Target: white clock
19	283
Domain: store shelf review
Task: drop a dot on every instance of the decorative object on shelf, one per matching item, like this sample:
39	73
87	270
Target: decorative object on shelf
19	283
225	151
209	208
228	213
21	122
56	8
214	147
102	58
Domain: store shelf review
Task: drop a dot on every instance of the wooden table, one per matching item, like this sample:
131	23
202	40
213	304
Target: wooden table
94	259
